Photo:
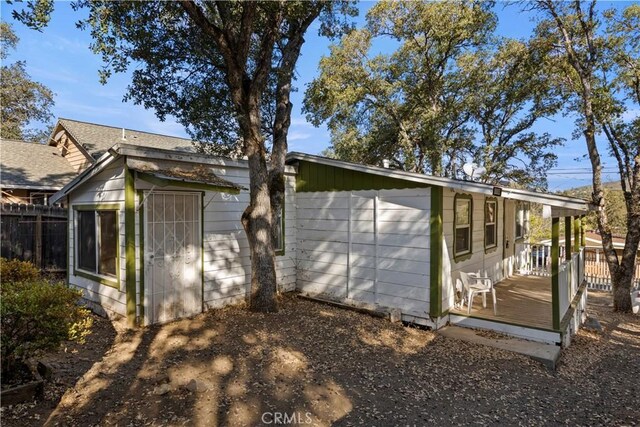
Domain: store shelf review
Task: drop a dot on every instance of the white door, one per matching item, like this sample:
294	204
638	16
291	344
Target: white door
508	243
173	279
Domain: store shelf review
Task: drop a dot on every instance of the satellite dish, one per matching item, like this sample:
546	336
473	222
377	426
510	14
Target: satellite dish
473	171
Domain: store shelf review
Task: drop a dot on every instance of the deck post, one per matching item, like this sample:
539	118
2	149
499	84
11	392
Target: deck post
583	242
576	234
436	233
567	238
555	268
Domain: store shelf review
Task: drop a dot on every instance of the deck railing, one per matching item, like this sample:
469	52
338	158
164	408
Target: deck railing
535	259
570	276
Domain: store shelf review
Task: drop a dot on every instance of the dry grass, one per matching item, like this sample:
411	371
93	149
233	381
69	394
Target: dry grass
331	366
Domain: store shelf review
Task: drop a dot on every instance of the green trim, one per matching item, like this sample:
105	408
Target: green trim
70	222
280	252
202	251
102	279
98	207
130	245
141	246
567	237
113	283
494	247
583	241
318	177
201	186
466	255
435	253
576	234
555	268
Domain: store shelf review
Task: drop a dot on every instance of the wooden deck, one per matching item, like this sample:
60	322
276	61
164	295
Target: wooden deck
522	300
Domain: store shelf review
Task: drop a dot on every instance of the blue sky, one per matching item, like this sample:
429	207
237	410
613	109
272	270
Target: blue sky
60	58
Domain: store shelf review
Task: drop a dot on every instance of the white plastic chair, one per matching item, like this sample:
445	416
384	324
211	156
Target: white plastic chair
475	284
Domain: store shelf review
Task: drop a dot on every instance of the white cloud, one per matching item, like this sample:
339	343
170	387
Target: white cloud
298	136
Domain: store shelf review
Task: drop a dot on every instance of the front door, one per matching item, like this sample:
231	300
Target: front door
172	247
508	241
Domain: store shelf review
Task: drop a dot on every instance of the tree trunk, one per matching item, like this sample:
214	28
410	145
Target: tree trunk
257	219
623	278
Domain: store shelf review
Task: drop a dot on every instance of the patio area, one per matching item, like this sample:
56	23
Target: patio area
522	300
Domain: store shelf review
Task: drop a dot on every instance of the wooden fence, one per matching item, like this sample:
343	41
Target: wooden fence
597	272
34	233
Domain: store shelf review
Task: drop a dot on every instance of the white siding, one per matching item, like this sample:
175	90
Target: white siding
491	262
366	246
105	187
227	264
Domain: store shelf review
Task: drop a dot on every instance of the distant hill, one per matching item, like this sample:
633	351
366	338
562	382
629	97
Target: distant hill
616	210
584	192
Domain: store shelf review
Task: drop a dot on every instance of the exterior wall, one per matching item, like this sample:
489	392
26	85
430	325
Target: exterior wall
226	256
227	262
107	187
368	247
70	151
480	260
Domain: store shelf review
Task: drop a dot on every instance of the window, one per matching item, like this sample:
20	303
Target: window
462	224
97	241
490	223
520	220
278	231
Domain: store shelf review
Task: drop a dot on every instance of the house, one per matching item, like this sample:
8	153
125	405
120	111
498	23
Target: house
155	235
31	172
82	143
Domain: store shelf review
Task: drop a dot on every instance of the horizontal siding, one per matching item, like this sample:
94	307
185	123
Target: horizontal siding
227	262
340	254
108	188
490	262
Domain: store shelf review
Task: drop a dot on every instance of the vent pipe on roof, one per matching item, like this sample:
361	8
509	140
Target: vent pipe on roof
124	137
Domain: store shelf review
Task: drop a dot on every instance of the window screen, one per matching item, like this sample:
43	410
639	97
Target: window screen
108	243
87	240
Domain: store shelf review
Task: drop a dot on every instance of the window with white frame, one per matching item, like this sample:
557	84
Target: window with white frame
97	241
490	223
462	224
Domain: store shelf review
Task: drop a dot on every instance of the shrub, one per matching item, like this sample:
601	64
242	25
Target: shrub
14	270
37	315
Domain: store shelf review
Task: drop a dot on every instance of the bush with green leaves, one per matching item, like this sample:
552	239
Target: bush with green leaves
38	315
14	270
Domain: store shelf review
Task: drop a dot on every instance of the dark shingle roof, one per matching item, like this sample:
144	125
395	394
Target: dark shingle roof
97	139
33	165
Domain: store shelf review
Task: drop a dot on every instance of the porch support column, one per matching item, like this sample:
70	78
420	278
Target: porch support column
567	238
555	267
576	234
582	239
130	245
436	233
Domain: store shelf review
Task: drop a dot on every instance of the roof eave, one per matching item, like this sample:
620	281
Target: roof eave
487	189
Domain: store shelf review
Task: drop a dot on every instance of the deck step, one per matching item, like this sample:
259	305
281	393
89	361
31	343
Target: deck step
544	353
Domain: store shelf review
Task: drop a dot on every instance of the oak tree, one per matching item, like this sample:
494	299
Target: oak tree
598	58
212	64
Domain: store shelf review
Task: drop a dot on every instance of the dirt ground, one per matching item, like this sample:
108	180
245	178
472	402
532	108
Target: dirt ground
318	365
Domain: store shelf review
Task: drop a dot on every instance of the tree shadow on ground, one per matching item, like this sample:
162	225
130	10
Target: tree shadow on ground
315	364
